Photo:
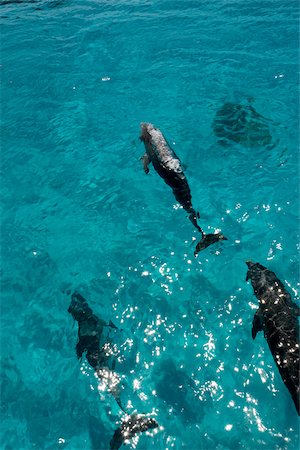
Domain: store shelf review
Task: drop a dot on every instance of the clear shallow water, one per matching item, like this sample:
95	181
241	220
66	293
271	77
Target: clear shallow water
79	213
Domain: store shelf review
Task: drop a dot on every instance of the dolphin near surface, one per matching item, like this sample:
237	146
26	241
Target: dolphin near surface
277	318
97	346
169	167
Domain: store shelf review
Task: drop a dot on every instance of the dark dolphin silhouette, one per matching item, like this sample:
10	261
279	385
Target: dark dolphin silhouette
277	318
241	124
96	345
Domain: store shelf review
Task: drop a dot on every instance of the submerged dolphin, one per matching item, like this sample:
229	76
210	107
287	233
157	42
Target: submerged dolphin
242	124
99	353
168	166
277	318
100	356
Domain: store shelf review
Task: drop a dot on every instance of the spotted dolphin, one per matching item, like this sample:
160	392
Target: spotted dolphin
277	318
169	167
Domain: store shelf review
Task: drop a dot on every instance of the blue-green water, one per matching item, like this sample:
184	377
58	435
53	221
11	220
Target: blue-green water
78	212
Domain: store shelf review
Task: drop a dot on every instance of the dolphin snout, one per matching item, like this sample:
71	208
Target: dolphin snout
146	126
250	264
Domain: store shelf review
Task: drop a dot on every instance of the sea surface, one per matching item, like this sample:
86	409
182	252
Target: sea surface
79	213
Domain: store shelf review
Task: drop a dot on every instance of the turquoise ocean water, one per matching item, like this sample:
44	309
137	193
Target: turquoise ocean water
78	212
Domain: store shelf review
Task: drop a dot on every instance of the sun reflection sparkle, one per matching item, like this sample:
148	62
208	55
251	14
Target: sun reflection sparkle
209	347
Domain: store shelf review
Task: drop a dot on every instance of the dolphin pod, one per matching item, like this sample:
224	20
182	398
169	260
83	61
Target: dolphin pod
169	167
277	315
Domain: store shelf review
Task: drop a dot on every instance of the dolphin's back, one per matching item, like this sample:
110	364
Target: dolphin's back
278	314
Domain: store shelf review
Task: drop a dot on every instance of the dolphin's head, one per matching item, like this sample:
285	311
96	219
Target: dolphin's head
79	307
251	270
255	272
255	266
146	127
250	264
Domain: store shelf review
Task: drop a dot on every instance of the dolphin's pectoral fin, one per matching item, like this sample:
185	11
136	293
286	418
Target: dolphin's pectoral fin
146	161
208	239
257	324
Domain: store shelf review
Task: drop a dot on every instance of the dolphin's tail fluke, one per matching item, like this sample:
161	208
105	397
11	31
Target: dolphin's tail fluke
131	425
208	239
